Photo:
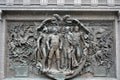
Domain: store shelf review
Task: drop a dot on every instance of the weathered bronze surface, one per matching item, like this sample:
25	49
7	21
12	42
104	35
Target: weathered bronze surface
21	71
62	47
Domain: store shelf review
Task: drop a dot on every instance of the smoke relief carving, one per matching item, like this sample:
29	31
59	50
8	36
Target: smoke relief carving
60	47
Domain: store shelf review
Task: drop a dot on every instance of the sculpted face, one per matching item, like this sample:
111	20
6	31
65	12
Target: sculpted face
76	28
67	29
45	30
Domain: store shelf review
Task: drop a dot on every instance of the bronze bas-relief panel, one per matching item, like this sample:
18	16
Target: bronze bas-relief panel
61	47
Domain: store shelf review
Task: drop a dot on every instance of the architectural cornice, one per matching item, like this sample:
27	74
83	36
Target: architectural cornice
57	8
59	4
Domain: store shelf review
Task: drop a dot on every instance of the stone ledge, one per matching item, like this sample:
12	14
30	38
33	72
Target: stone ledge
99	78
57	8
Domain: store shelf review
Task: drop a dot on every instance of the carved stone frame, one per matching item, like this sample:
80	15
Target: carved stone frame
4	17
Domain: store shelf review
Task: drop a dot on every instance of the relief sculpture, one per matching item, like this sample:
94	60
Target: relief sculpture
61	46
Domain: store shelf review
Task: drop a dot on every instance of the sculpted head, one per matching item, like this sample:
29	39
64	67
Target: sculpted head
45	29
67	29
76	28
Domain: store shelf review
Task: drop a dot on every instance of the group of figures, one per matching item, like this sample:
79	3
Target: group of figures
60	45
65	43
66	47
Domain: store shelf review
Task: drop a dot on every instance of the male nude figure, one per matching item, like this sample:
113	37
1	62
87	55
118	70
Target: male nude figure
54	47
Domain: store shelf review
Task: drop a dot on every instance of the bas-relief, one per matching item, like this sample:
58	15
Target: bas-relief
61	47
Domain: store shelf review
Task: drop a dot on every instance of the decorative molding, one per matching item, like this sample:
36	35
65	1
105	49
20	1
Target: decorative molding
9	2
77	2
111	2
94	2
60	2
43	2
26	2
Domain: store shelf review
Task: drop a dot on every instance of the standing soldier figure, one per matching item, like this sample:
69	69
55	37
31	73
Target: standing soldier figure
78	42
69	48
